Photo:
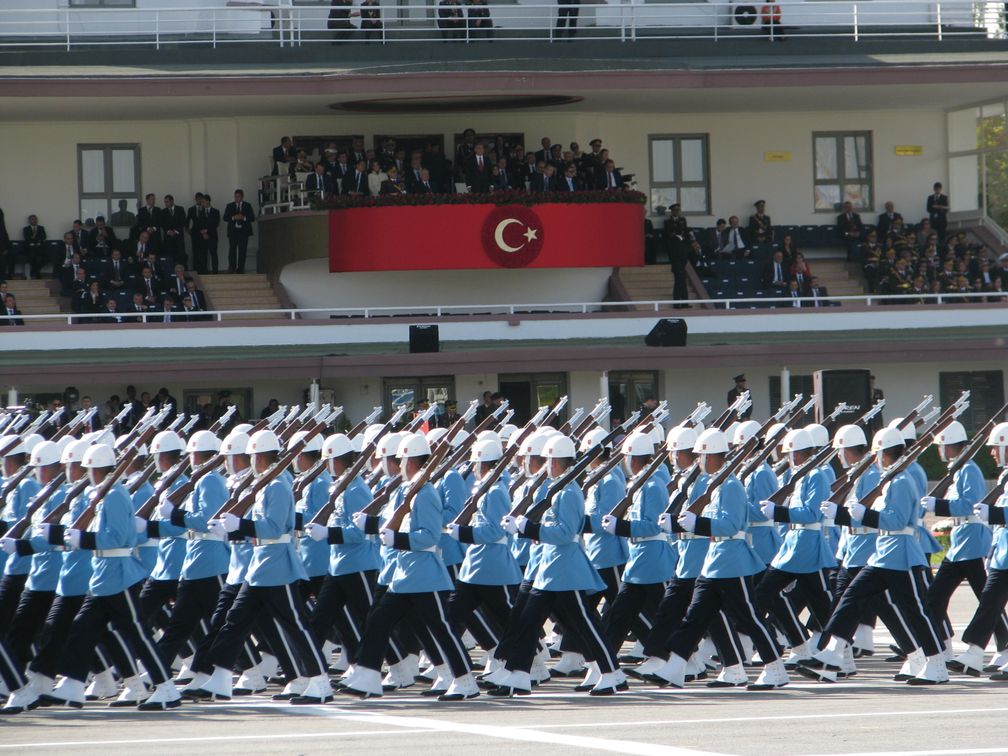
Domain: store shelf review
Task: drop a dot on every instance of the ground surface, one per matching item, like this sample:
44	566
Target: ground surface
868	715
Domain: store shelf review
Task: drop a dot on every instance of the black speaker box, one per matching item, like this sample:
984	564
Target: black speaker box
835	386
424	338
667	332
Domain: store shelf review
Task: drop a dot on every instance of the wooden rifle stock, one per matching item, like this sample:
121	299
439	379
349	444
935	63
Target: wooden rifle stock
38	501
177	496
534	481
485	485
843	485
163	484
382	496
602	470
70	429
688	478
75	490
970	451
341	485
15	480
101	491
422	478
818	459
636	483
572	473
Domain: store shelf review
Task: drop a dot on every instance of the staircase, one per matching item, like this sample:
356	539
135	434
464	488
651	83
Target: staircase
648	283
34	297
840	277
241	291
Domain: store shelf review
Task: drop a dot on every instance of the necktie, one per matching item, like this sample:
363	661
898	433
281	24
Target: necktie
479	160
612	181
777	274
426	186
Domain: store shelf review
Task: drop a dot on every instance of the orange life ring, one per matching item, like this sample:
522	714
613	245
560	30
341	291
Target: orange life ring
770	14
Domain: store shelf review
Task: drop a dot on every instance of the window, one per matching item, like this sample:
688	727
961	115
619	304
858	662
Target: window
843	170
800	384
408	392
986	395
194	400
527	392
680	172
108	181
628	390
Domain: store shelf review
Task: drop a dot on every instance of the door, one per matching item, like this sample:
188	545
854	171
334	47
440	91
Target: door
527	392
408	392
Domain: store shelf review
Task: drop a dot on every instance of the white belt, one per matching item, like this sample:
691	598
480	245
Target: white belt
285	538
432	549
194	535
828	522
965	520
762	524
862	531
903	531
806	526
114	553
503	541
691	537
150	543
660	537
740	536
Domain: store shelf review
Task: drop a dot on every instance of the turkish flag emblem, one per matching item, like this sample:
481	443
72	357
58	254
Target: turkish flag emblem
512	236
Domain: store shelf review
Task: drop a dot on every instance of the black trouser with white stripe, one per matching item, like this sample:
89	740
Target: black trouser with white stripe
734	597
247	655
990	612
10	594
671	611
282	603
431	609
493	600
195	602
949	577
28	621
11	671
514	623
770	600
122	610
905	588
577	617
344	601
632	601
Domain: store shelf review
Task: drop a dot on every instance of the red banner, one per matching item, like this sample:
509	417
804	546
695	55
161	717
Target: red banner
457	237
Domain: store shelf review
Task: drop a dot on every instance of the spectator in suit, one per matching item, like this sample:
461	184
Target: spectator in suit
480	23
775	272
196	296
818	293
478	171
73	277
887	219
450	20
137	309
501	178
11	311
371	25
95	423
148	219
567	15
440	168
149	287
319	184
527	171
92	302
339	19
173	223
392	184
177	283
544	181
424	185
609	179
193	217
801	272
412	173
144	247
741	386
937	210
112	311
239	217
732	241
570	181
850	229
168	312
271	406
102	239
795	292
544	154
208	225
284	153
356	181
34	236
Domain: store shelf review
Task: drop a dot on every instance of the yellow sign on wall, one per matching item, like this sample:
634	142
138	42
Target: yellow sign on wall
779	156
909	150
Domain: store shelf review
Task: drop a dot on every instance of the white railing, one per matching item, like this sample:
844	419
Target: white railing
547	308
284	24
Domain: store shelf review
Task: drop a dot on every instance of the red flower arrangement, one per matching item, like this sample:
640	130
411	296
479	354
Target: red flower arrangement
626	196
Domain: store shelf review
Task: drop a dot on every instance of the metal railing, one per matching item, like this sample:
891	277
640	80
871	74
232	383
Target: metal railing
328	314
281	23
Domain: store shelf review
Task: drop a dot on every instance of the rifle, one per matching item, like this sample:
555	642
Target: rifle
535	512
373	417
35	505
138	427
178	495
818	459
75	490
268	422
915	413
723	420
87	516
594	417
223	420
484	486
418	482
382	496
304	479
978	440
635	484
145	475
184	431
456	455
74	426
533	484
341	485
298	423
772	443
46	417
841	487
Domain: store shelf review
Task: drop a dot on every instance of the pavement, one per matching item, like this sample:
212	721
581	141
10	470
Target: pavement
861	716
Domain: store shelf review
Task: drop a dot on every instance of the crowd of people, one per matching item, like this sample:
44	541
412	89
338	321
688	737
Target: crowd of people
481	165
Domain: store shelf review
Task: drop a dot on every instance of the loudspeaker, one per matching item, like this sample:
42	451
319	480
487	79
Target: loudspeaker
424	338
835	386
667	332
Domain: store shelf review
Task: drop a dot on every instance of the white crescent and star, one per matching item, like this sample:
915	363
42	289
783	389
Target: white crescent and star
530	235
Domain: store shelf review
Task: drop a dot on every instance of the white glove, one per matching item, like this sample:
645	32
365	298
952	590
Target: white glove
1002	501
231	522
165	509
9	545
387	537
43	529
687	521
857	510
316	532
139	523
508	523
217	528
980	510
928	502
358	519
73	538
453	531
521	523
767	508
665	522
828	508
609	524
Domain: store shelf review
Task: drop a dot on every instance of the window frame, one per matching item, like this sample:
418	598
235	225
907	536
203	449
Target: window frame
951	382
109	196
842	180
677	183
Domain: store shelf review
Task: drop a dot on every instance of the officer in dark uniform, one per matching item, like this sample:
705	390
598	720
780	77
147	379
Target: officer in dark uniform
735	393
678	238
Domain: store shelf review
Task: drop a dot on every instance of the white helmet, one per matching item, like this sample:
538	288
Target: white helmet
657	434
263	441
488	435
388	445
203	441
413	445
908	429
436	434
711	441
998	439
592	438
45	453
681	438
370	434
954	433
65	441
730	431
819	434
699	427
847	436
31	441
744	432
886	438
795	440
312	445
17	448
74	451
166	441
486	450
104	436
236	442
559	446
336	446
533	445
506	431
638	444
243	428
99	455
774	431
459	438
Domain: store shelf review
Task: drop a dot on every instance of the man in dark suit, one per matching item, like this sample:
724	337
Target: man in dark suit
173	223
239	217
117	272
356	182
285	153
937	210
149	287
168	312
544	181
544	154
478	171
197	300
102	239
818	293
424	185
886	220
502	178
775	274
850	229
570	181
34	238
82	236
209	222
70	248
319	184
412	173
111	310
609	179
12	313
193	217
740	386
137	309
177	283
393	184
148	219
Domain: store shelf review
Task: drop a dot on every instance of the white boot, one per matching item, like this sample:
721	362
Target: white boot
429	673
328	649
591	678
68	692
363	683
748	648
319	691
342	663
441	682
165	696
41	684
825	665
294	688
649	666
492	662
134	691
250	681
969	662
401	675
461	689
848	668
607	685
21	700
774	675
673	672
269	666
864	641
999	660
540	672
495	679
408	669
799	654
515	684
102	686
636	652
949	652
914	663
217	687
570	664
468	641
197	682
730	677
185	673
695	669
933	672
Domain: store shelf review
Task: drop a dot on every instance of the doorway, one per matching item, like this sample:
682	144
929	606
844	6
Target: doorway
527	392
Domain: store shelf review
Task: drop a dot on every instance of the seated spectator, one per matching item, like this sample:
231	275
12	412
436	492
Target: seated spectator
70	248
871	255
195	295
92	301
800	271
795	294
424	185
775	272
887	219
117	272
789	248
501	178
570	181
112	310
11	312
149	287
392	184
713	238
301	164
702	264
608	178
376	178
102	239
70	272
271	407
817	293
177	283
356	182
319	184
732	241
168	312
545	181
138	308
